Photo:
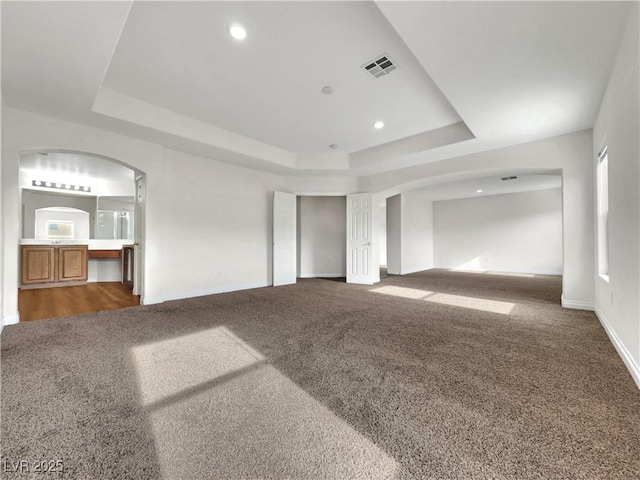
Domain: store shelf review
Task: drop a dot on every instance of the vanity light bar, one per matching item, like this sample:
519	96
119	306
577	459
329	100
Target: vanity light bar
60	186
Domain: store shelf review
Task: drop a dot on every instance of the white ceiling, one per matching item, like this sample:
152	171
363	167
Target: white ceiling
473	76
268	87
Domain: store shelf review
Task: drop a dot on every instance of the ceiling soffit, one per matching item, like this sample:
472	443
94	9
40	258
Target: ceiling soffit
262	97
506	73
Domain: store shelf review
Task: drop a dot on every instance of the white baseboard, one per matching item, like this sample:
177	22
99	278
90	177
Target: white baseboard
634	369
9	320
409	272
211	291
504	270
150	300
576	304
322	275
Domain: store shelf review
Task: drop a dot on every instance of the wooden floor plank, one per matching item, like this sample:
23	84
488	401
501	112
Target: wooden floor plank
37	304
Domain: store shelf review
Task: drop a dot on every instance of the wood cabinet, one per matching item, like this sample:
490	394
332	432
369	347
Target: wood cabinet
50	266
72	263
38	264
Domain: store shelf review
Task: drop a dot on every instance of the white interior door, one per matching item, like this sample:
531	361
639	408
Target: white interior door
284	238
360	238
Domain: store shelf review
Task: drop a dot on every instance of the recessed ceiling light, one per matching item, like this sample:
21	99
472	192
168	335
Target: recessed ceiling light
378	125
478	191
237	31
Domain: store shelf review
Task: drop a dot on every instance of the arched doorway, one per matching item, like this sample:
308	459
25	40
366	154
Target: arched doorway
54	186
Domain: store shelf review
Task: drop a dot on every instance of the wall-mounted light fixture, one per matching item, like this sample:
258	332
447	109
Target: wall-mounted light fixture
61	186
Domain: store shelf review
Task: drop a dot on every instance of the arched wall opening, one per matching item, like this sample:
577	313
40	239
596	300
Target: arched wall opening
56	185
569	155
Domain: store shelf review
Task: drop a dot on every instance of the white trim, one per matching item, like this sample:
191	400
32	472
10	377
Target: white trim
322	275
576	304
150	300
413	270
502	270
11	319
634	369
212	291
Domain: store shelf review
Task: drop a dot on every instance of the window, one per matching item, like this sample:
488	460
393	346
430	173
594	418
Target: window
603	212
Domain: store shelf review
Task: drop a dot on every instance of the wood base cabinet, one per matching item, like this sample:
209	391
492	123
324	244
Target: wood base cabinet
50	266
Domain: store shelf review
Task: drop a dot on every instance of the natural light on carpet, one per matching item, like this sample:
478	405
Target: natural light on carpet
169	367
483	304
217	407
506	274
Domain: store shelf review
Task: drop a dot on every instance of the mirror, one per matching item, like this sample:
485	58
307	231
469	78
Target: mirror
114	218
53	215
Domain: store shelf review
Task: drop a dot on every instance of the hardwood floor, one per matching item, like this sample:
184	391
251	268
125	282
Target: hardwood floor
42	303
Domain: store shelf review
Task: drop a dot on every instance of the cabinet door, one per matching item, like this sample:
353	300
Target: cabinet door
72	263
38	264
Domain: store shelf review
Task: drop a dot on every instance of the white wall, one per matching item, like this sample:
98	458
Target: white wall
409	233
104	270
569	154
207	223
322	233
617	126
311	186
216	232
417	232
394	235
381	235
517	232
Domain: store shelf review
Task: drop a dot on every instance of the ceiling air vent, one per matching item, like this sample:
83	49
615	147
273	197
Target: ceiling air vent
381	66
508	178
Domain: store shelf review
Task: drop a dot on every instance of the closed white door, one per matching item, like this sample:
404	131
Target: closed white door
359	239
284	238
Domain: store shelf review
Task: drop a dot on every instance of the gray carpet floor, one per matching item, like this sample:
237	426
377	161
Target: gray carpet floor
435	375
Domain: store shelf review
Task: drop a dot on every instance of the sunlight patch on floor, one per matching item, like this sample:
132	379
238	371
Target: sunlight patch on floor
486	272
403	292
483	304
169	367
217	408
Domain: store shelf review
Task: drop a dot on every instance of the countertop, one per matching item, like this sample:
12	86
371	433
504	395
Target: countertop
93	244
